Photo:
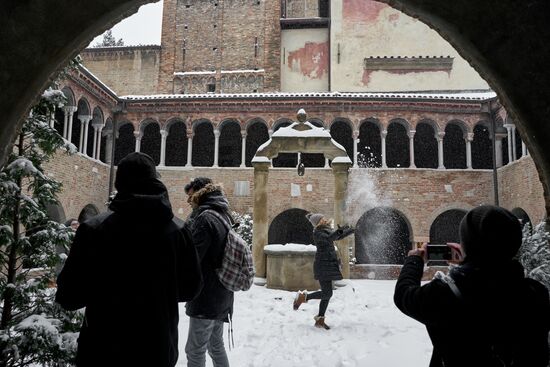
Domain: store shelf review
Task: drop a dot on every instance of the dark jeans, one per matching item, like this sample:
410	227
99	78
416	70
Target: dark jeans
324	295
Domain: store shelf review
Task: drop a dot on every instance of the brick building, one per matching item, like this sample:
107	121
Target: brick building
414	118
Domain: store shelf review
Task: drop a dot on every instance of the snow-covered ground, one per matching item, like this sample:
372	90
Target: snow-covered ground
366	330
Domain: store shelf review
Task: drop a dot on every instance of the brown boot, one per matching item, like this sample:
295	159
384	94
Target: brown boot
320	322
301	297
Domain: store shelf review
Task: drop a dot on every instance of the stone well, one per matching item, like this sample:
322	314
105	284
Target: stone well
290	267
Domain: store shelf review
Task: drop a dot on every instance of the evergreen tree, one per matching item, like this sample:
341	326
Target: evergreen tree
534	253
109	40
33	329
245	226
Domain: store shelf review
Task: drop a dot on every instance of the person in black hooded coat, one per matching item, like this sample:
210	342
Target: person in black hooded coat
485	312
129	268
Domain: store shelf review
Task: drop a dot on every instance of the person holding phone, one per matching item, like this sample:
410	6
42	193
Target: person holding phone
484	312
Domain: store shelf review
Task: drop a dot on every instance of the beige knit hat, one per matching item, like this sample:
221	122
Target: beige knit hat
314	218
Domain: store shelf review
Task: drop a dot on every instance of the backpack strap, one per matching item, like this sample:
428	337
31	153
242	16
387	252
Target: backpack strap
220	218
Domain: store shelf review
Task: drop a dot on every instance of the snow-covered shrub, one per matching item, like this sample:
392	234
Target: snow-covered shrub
534	253
245	226
33	329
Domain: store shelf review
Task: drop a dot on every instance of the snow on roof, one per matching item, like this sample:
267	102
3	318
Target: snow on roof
260	159
206	72
345	159
467	96
290	132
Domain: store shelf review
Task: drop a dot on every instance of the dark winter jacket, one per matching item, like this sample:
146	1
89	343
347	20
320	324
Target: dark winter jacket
130	268
326	265
214	302
497	318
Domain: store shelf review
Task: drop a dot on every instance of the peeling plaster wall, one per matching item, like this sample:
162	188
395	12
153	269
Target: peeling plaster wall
365	28
304	60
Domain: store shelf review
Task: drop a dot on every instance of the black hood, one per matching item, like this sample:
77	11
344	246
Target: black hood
141	195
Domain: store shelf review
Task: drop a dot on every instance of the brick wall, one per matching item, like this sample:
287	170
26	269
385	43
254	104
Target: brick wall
126	70
520	187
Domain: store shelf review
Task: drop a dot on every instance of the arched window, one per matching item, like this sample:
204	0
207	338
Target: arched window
125	143
370	145
291	226
397	146
482	153
425	146
150	141
83	110
382	236
203	144
445	228
285	159
454	147
256	135
314	159
176	144
230	144
342	133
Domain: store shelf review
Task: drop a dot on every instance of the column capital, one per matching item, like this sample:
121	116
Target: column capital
164	133
70	109
411	133
509	126
85	118
440	135
355	134
243	134
137	134
470	136
270	132
216	132
384	133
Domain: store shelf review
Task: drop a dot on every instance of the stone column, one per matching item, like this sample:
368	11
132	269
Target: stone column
84	122
98	150
137	135
383	135
439	137
216	146
411	148
109	146
327	165
469	139
509	129
260	225
514	147
94	147
243	150
189	148
341	172
523	149
163	136
68	124
355	152
498	149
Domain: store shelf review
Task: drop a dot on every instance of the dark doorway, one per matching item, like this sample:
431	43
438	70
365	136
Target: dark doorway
425	146
445	228
397	146
150	141
230	144
176	145
203	145
482	149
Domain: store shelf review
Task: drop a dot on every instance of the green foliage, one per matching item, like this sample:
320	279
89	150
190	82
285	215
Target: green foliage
33	329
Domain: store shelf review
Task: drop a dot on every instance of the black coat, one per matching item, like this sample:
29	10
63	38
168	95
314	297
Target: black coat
214	302
498	310
130	268
326	265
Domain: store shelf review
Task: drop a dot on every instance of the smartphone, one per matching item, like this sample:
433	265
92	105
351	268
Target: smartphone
438	252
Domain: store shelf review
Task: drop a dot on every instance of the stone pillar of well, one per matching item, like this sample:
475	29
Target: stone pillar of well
341	173
260	224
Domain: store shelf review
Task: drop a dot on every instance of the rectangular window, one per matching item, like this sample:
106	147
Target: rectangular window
210	88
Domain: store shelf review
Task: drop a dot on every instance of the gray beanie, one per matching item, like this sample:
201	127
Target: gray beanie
314	218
